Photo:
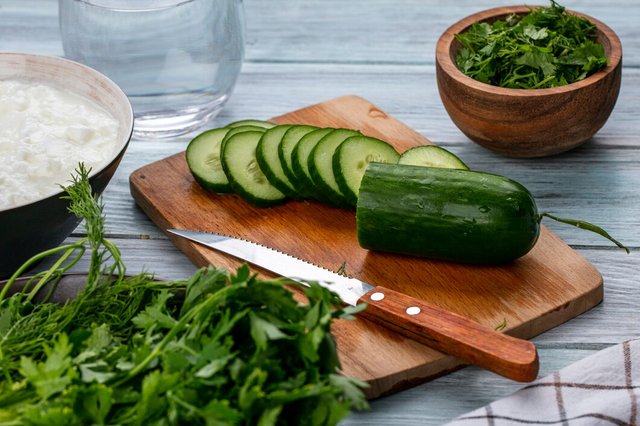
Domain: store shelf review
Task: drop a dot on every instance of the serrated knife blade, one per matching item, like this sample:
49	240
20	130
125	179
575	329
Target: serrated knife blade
438	328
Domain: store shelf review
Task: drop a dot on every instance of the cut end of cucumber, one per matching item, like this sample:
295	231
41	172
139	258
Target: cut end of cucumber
432	156
203	159
244	173
352	158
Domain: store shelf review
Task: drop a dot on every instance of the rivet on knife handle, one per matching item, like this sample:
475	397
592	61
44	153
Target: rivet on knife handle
440	329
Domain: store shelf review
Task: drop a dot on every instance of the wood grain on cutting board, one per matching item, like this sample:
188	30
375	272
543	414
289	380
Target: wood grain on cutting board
546	287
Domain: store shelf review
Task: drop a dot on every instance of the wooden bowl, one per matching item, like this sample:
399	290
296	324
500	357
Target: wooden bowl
527	122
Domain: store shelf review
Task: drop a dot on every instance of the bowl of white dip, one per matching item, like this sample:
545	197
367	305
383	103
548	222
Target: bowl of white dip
54	114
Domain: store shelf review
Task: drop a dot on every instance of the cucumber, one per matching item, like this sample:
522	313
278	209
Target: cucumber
256	123
300	161
432	156
321	165
239	129
456	215
285	151
352	158
203	159
269	161
239	162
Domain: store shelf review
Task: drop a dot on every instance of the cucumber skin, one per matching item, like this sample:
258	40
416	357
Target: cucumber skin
251	122
285	187
454	215
302	176
284	156
328	193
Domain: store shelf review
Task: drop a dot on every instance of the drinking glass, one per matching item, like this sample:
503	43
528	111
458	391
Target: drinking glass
177	60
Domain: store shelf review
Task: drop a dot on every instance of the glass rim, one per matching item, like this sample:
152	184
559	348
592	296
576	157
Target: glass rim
133	5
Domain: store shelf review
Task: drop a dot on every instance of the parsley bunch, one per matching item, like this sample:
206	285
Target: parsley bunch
545	48
217	349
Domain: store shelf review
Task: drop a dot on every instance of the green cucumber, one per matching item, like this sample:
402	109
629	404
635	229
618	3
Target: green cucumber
240	129
432	156
239	162
285	151
203	159
300	161
450	214
456	215
269	161
256	123
321	165
352	158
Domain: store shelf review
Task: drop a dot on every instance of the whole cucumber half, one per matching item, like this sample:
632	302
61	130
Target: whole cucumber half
456	215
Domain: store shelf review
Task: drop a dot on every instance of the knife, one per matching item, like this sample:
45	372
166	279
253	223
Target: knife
433	326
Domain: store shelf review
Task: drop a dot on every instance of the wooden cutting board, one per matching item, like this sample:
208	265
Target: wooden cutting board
548	286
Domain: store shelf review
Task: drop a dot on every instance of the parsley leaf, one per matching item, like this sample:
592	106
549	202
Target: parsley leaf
545	48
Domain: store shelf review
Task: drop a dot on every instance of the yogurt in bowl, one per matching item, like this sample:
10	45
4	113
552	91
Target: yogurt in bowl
45	132
54	114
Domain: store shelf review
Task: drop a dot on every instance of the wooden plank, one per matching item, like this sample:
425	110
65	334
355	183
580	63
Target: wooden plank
408	92
447	397
333	27
545	288
332	31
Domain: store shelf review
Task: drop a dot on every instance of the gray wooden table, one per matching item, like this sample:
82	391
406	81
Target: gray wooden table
305	51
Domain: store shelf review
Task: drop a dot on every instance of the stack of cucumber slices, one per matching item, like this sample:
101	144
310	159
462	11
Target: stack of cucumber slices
266	163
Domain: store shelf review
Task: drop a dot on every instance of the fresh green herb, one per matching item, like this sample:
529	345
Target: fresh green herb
545	48
501	326
218	349
584	225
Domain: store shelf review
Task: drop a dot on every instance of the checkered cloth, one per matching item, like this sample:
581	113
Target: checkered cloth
602	389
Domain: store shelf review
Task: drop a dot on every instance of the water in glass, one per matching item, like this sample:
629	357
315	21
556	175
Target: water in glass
178	61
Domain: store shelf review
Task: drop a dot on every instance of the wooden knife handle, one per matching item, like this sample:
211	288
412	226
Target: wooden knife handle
514	358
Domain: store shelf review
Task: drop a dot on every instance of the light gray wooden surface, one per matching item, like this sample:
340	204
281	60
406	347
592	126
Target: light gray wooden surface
300	52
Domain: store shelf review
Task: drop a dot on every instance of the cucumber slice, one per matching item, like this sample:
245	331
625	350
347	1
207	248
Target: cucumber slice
321	165
203	159
352	158
300	161
269	161
285	151
241	167
239	129
432	156
257	123
235	130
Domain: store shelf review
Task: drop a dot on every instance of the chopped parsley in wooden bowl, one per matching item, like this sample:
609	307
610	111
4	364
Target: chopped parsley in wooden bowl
529	81
547	47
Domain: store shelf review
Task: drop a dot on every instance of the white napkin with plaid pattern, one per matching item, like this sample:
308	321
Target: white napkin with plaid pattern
602	389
